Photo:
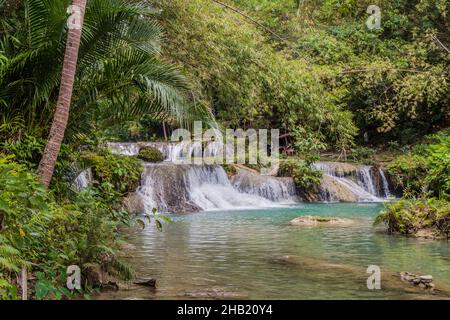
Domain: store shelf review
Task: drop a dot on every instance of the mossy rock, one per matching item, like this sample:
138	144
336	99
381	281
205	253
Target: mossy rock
230	170
319	221
150	154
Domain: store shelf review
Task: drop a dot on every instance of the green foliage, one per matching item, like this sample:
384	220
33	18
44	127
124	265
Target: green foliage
410	216
424	170
393	81
247	81
305	176
438	164
362	155
119	173
407	172
27	150
230	169
120	74
45	236
8	291
150	154
51	286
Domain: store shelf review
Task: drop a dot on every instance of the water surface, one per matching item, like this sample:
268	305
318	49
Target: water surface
242	254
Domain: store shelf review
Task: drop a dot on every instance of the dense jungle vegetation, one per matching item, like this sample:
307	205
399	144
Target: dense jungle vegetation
311	68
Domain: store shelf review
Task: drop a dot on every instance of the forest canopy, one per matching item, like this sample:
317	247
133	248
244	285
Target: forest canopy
324	71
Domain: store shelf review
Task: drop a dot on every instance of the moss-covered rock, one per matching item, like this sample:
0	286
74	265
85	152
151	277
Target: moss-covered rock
319	221
230	170
150	154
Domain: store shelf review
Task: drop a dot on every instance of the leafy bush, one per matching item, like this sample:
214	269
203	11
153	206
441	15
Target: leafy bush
362	155
122	173
438	165
44	236
426	169
410	216
28	151
407	172
305	176
150	154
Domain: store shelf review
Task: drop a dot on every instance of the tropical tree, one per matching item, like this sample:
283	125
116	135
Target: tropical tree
61	115
120	73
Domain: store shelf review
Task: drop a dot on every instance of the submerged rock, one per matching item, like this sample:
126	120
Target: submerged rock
316	221
429	233
408	282
424	282
146	282
215	293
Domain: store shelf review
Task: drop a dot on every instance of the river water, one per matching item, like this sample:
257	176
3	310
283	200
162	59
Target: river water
255	254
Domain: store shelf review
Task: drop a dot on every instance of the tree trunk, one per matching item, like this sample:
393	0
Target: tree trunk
61	116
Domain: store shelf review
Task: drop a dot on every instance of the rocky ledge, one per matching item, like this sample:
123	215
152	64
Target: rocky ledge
319	221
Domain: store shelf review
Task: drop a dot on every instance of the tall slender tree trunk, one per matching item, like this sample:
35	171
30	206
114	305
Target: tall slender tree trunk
61	116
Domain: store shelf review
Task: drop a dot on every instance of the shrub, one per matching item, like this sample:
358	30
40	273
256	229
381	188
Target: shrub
426	169
150	154
362	155
305	176
45	236
407	172
438	165
409	216
122	173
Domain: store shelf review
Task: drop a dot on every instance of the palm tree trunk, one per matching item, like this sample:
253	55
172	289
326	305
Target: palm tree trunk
61	116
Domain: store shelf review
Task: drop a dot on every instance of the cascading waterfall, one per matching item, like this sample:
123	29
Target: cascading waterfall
180	185
83	180
181	152
188	188
364	179
385	184
268	187
349	182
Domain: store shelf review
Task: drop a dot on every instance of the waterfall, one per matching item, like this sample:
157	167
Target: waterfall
348	182
364	179
385	184
180	185
126	149
181	152
82	180
188	188
274	189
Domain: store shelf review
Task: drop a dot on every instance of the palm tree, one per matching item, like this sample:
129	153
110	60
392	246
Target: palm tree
120	73
61	115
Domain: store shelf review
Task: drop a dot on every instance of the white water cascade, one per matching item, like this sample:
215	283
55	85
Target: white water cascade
83	180
177	185
188	188
181	152
347	182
